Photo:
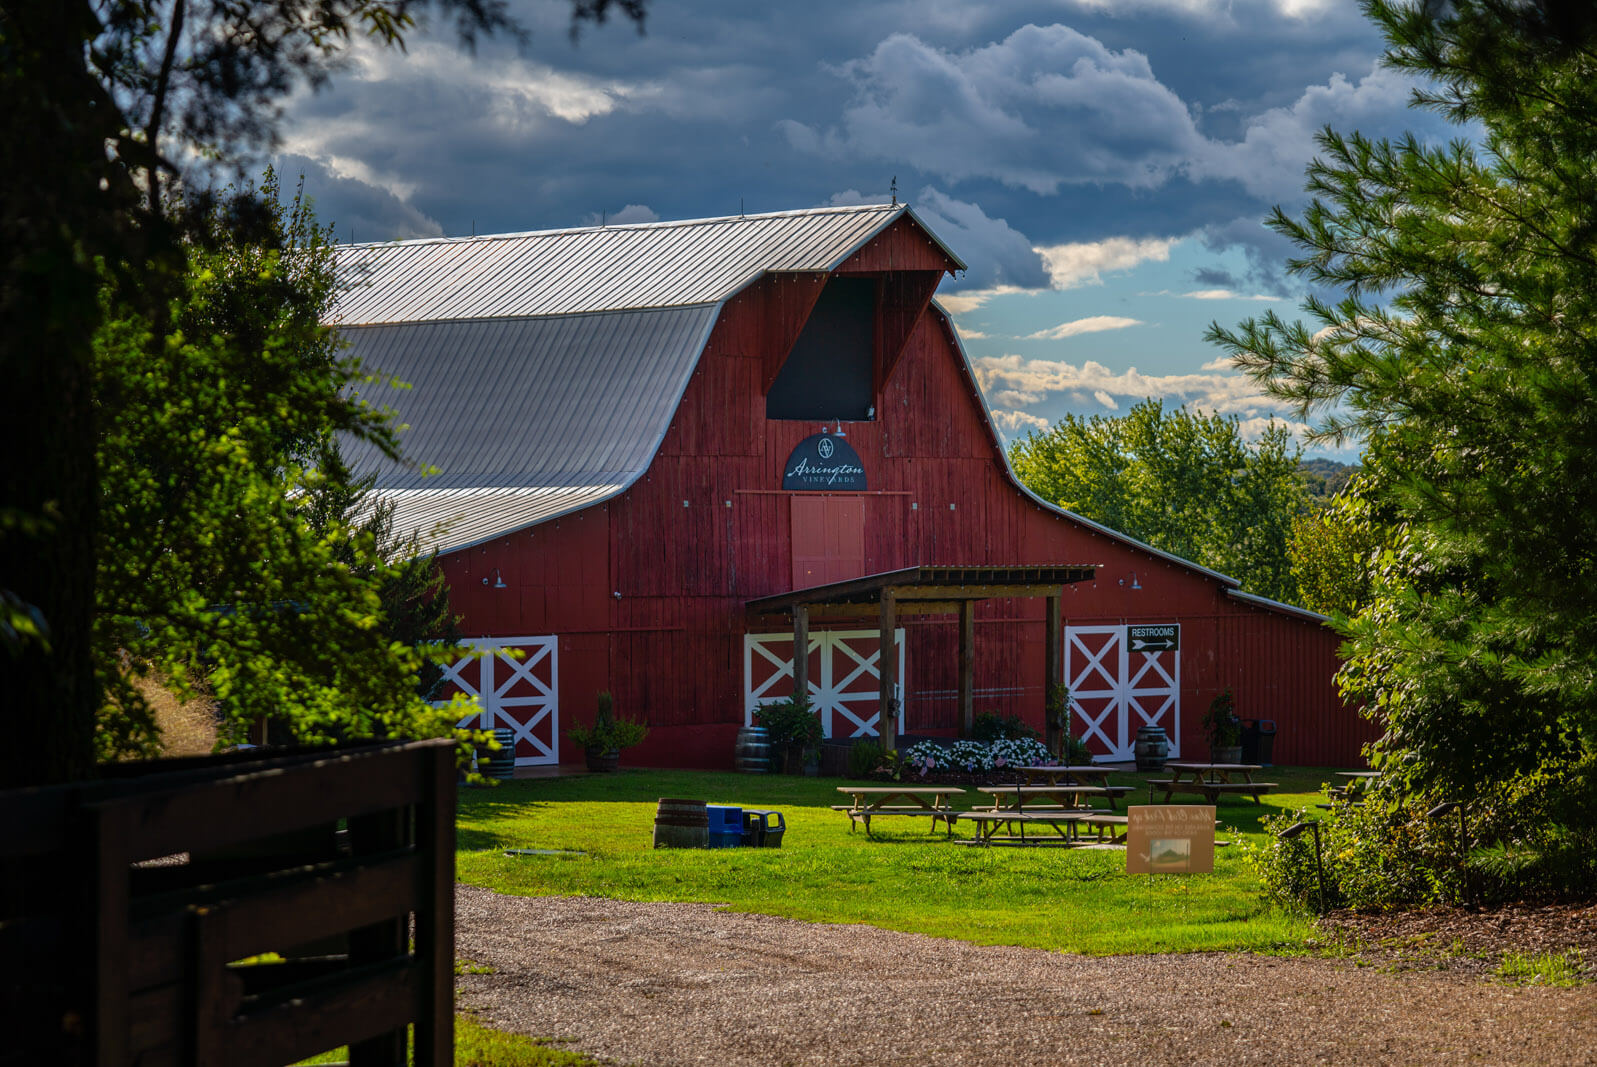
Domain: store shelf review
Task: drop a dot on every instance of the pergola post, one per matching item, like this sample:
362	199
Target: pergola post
967	667
1053	669
801	651
887	662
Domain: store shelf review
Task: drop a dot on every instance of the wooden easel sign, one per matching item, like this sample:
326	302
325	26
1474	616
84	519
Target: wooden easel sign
1170	839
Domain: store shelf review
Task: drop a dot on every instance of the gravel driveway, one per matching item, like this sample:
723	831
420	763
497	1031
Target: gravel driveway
674	984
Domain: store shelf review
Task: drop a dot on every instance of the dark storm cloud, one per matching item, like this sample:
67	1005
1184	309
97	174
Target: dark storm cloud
1017	125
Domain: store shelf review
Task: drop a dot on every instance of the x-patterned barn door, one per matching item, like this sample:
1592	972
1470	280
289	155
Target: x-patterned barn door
846	690
516	681
1114	692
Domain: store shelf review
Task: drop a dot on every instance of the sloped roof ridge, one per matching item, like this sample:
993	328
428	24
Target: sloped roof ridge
658	224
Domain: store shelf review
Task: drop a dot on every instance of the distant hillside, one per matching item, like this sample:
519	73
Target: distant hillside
1326	477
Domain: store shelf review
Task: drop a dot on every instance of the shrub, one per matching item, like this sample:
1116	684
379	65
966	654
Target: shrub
864	757
1377	857
990	727
790	722
608	733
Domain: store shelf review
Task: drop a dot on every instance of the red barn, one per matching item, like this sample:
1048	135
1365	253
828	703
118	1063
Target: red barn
660	454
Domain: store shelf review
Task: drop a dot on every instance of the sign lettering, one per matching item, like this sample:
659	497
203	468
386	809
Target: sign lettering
1163	637
1170	839
821	462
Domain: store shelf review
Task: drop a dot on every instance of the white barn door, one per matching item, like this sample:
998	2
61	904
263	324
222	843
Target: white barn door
846	691
1114	692
516	680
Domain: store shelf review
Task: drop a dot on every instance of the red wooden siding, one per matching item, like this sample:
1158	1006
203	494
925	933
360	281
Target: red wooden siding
647	591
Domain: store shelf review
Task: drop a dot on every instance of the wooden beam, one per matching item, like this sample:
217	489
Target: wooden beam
967	668
972	592
1053	672
887	670
801	651
917	607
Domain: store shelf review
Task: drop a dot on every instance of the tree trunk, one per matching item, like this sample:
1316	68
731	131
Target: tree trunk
55	218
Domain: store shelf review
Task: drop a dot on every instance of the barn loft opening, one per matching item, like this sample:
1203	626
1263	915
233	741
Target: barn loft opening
829	374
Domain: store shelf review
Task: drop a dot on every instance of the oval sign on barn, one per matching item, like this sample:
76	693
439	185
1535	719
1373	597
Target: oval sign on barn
824	461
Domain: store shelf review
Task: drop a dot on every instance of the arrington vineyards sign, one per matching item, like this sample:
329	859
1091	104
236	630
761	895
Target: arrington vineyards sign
824	461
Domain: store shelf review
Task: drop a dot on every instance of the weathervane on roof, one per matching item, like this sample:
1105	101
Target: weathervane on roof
894	189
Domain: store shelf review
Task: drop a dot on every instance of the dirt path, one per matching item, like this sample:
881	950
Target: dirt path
660	985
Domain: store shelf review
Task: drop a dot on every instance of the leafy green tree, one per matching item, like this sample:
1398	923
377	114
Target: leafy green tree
225	556
1180	481
110	105
1463	350
1333	550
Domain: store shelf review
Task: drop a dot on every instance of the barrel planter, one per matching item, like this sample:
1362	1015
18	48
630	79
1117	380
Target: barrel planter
681	824
753	753
1152	748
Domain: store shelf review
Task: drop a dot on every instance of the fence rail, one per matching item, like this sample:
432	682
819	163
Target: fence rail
245	911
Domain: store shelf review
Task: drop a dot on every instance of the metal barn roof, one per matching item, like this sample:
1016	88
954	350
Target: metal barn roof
600	268
523	419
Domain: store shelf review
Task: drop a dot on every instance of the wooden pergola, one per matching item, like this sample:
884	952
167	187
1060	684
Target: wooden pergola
928	591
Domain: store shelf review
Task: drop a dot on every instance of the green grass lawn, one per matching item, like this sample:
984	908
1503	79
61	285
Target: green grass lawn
902	878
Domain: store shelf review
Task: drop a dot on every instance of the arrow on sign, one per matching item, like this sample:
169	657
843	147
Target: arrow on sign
1162	644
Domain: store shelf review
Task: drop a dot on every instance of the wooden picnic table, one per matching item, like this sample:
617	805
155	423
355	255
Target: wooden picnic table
1211	779
1091	774
1017	797
869	800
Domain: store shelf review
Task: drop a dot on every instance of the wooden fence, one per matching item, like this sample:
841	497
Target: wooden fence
134	912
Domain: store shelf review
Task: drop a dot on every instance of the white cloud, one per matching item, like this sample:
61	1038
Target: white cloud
1017	384
1091	324
1279	143
966	300
1085	263
1019	420
1225	294
1043	108
632	213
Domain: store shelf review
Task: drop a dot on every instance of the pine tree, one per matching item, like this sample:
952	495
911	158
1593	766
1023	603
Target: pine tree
1463	352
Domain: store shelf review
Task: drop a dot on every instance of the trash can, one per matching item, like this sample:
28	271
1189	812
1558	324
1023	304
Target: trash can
763	829
1258	741
725	825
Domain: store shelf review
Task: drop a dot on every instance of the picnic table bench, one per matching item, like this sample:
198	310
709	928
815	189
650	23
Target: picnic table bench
1055	774
987	825
871	800
1062	795
1212	780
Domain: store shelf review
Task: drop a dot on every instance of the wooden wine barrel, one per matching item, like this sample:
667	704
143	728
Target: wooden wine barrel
753	752
681	824
1152	748
501	764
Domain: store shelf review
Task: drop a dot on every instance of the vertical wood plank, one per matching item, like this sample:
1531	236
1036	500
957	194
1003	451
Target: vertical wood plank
967	668
887	660
111	835
1053	667
435	914
801	652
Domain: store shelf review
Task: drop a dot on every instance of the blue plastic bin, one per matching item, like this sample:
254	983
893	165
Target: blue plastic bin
726	825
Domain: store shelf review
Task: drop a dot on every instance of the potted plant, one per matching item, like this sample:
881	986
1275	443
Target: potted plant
1223	729
602	743
794	729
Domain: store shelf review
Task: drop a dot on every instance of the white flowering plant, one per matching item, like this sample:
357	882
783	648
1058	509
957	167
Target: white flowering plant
974	757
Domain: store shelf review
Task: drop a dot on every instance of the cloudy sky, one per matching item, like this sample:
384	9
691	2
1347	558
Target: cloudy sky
1103	166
